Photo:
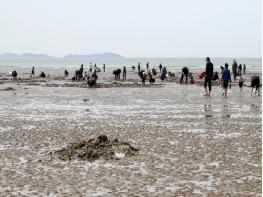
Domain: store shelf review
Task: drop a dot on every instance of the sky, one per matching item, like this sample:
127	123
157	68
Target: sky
132	28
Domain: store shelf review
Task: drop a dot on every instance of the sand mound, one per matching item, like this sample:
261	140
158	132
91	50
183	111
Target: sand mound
93	149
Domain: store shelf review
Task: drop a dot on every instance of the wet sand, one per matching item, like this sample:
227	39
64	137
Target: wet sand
189	145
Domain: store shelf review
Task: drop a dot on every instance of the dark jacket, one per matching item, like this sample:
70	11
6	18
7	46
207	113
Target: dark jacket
209	69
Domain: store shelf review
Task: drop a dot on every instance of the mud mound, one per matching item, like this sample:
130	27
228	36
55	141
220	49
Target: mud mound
93	149
134	85
8	89
51	85
59	78
33	84
104	85
77	85
173	79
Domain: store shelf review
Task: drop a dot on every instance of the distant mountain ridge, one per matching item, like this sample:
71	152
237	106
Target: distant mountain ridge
24	55
42	55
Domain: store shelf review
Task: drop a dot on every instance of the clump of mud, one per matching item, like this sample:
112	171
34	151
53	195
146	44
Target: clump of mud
172	79
8	89
93	149
104	85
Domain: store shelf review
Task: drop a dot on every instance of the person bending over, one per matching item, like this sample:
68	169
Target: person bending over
185	73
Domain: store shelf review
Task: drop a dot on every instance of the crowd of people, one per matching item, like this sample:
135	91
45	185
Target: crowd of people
210	76
225	80
90	75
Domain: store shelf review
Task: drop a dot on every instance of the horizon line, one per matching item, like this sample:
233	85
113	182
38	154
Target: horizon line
144	57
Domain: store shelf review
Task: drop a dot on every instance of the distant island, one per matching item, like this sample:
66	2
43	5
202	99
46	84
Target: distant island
40	55
24	55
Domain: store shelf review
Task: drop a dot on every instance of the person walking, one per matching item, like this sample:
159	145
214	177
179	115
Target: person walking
32	72
234	69
225	79
208	76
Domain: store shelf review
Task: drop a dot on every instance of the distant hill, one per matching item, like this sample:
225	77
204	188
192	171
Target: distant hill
33	55
95	55
24	55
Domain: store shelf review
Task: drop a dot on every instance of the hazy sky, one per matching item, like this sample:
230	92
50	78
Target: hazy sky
132	28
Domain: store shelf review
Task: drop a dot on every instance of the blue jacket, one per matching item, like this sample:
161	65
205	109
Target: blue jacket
226	75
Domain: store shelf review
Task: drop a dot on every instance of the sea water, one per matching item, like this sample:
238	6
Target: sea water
25	64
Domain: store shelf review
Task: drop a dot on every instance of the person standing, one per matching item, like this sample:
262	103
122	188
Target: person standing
226	78
234	69
208	76
32	72
239	69
81	72
244	68
103	67
160	67
90	67
163	74
139	68
124	71
147	66
255	83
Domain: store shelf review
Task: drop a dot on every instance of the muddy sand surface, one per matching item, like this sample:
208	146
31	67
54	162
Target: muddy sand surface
189	145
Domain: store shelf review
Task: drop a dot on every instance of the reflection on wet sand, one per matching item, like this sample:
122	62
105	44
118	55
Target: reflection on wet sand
226	110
